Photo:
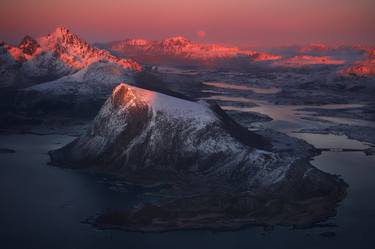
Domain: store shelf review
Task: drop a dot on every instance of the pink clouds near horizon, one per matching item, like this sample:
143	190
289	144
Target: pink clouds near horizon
238	22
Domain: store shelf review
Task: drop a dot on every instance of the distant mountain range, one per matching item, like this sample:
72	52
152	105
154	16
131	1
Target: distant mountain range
63	53
364	67
181	50
308	60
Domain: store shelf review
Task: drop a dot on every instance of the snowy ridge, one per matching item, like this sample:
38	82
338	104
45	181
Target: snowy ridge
180	46
51	57
78	53
168	104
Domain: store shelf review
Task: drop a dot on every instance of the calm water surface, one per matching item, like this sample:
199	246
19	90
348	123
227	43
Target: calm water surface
44	206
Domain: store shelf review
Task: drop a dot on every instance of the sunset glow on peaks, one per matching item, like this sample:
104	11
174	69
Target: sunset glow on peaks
235	22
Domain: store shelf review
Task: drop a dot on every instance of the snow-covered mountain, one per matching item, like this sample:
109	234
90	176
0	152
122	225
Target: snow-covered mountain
318	54
140	131
50	57
148	136
180	49
222	174
341	60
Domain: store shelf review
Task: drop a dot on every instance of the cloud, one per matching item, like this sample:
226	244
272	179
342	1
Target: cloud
201	34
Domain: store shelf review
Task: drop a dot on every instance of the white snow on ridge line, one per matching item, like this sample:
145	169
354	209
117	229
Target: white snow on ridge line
171	105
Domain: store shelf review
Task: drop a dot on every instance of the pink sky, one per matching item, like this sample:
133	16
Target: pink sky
237	22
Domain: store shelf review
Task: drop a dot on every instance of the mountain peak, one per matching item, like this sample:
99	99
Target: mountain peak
177	41
61	31
62	39
178	38
122	94
64	35
77	53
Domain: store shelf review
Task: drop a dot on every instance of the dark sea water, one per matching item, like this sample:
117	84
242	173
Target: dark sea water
44	206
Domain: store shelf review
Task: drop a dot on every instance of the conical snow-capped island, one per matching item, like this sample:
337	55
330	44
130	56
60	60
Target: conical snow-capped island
140	130
149	138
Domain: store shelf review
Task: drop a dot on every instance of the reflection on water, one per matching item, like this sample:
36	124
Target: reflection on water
174	70
358	171
229	99
211	91
356	214
242	87
347	121
45	206
340	106
285	118
292	117
330	141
